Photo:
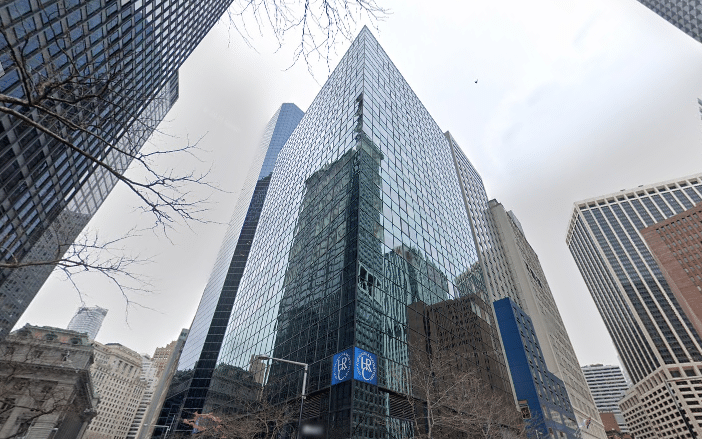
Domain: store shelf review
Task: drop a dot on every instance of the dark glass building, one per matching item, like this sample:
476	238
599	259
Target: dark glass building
683	14
199	357
541	395
48	192
363	228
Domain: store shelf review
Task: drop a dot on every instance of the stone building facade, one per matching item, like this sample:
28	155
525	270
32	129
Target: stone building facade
116	375
45	387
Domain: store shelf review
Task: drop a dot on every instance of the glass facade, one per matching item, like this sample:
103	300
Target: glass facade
683	14
363	228
643	316
48	192
198	359
484	228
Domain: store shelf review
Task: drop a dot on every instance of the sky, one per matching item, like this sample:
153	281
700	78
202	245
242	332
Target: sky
573	100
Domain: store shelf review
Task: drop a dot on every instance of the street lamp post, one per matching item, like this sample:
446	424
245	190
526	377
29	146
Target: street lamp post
168	427
304	384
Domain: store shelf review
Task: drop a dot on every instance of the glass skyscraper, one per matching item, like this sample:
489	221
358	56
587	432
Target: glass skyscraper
88	319
363	230
197	362
686	15
48	192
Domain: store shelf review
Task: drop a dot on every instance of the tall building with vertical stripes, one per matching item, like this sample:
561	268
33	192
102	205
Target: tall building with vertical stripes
654	337
49	188
512	270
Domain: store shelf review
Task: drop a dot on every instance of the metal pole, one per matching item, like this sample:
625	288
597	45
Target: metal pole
302	402
304	385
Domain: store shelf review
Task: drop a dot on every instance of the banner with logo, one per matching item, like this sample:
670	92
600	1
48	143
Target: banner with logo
357	364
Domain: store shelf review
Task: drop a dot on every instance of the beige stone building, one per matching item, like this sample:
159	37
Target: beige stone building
117	376
163	366
667	404
45	387
538	302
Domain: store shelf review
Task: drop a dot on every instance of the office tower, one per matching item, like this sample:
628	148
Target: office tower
541	395
164	361
656	341
45	381
363	218
435	328
48	191
149	376
675	245
199	356
88	319
607	385
683	14
539	304
513	270
117	380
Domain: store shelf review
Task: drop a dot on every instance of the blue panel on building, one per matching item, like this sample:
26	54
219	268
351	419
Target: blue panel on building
366	367
341	366
541	394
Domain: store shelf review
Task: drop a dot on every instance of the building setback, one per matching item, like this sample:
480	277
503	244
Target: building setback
539	304
198	360
653	335
49	192
164	361
117	377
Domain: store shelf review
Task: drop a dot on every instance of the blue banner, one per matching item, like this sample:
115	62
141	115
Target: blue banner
357	364
342	365
366	367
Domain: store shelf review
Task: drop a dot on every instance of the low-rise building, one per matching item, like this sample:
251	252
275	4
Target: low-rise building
666	404
45	386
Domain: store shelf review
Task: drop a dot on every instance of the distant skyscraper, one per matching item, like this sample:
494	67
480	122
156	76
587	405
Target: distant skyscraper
165	361
652	333
513	270
363	231
49	192
683	14
88	319
198	359
607	385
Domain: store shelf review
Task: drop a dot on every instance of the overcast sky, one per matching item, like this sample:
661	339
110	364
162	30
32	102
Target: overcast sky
574	99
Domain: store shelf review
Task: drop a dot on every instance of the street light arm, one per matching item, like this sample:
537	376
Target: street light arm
266	357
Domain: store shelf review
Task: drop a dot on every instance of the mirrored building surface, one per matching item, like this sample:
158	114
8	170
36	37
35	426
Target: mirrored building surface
192	380
363	221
